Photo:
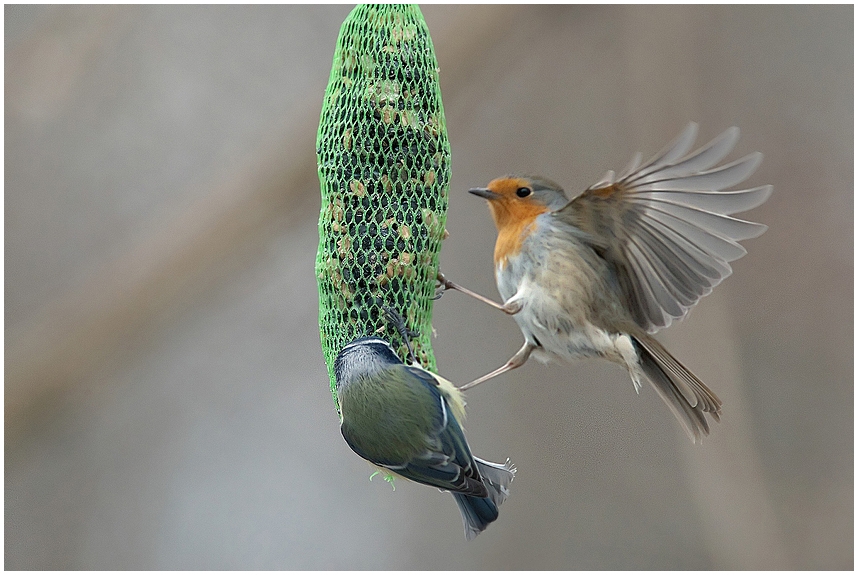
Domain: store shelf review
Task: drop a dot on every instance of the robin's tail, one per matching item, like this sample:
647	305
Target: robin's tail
687	397
478	512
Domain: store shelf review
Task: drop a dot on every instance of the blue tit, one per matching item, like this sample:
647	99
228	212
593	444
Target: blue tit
409	421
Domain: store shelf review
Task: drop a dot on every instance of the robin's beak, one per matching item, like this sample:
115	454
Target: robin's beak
485	193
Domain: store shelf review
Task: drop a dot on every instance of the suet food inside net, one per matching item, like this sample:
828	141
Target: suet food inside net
384	170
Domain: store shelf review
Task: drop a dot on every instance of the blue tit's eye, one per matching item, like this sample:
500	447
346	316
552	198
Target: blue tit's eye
523	192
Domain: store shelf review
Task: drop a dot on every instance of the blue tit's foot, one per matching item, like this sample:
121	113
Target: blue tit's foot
399	323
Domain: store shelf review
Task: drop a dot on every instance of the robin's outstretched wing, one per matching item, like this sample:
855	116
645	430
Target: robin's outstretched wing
665	225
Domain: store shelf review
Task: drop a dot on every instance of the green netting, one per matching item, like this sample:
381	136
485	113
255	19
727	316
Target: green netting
384	170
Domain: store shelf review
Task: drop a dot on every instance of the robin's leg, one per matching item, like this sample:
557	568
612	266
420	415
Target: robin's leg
515	361
447	284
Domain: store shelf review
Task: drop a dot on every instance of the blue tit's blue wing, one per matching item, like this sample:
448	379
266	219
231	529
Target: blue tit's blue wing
447	462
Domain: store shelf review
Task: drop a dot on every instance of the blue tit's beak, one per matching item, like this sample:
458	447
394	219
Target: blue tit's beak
485	193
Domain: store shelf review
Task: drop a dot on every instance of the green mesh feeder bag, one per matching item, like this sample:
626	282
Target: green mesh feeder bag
384	169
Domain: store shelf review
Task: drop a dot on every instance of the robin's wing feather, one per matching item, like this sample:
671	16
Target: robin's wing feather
702	159
672	152
666	226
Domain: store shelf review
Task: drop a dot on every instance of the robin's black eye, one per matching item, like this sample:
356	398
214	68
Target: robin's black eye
523	192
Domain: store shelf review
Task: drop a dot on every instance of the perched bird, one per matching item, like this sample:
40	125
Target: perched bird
409	421
597	275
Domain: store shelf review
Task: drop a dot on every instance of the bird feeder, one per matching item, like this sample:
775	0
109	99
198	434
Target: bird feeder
384	171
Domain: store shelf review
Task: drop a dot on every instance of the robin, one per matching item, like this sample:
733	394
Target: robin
598	275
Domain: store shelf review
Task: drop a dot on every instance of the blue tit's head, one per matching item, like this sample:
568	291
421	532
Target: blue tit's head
363	357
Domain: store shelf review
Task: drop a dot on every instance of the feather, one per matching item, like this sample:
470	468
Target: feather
668	224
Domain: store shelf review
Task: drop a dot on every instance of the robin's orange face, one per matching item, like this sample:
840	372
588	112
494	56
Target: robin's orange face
514	208
511	201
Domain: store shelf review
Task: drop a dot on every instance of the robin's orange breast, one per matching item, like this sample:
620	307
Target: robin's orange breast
514	227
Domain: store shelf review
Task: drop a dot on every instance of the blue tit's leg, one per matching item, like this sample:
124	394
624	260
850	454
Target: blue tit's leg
399	323
446	284
515	361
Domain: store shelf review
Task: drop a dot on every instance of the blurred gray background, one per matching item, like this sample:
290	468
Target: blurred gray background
166	400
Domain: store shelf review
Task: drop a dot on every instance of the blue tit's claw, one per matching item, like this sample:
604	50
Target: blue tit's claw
399	323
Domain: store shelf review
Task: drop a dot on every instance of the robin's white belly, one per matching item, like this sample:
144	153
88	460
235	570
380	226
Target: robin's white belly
562	332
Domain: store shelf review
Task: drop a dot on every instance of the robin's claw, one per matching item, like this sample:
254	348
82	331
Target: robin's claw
513	306
443	286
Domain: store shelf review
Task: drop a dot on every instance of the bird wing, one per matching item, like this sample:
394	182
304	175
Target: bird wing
447	463
665	226
426	444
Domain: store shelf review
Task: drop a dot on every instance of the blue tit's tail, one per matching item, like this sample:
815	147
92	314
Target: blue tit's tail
478	512
496	478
